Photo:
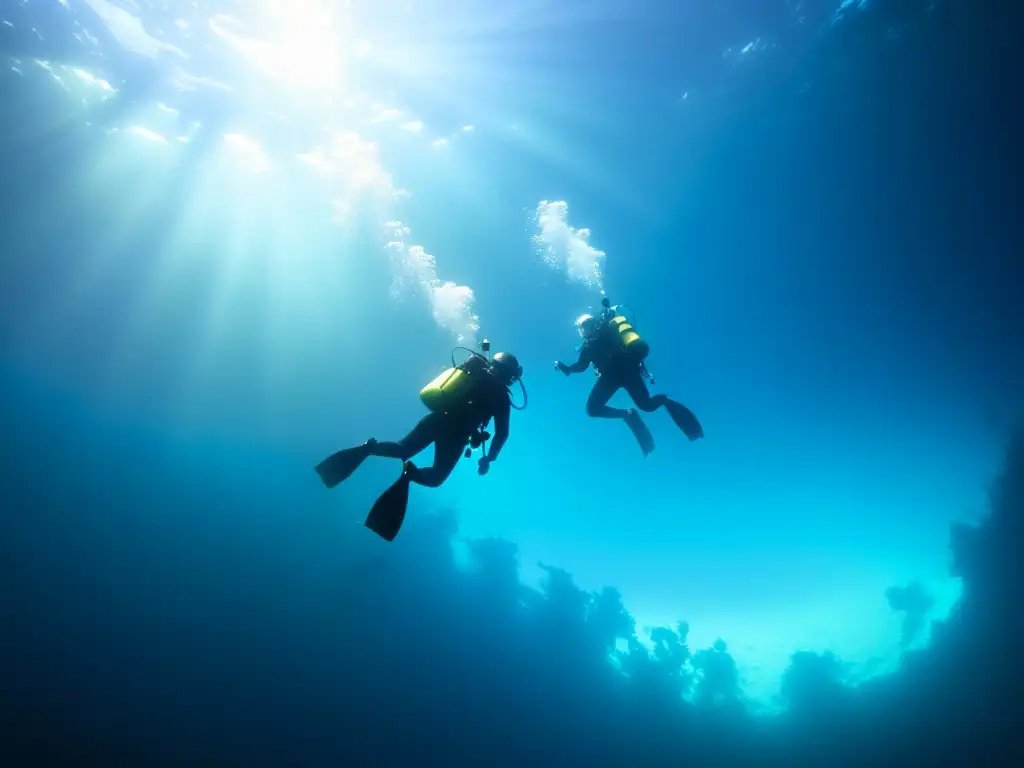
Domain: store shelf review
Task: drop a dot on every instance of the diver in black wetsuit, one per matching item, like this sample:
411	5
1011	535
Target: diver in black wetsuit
451	432
455	424
619	368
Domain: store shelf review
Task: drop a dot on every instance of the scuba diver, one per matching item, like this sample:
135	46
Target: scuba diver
617	353
462	400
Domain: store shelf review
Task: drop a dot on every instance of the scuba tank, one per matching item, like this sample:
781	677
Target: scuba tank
623	333
453	386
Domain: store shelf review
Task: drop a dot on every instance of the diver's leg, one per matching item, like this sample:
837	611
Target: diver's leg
448	450
422	435
680	414
638	392
388	512
339	466
597	403
632	418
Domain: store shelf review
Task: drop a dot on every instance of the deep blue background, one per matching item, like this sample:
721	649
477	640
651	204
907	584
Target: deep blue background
824	262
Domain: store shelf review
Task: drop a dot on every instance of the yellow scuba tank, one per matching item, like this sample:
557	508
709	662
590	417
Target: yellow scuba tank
628	339
453	386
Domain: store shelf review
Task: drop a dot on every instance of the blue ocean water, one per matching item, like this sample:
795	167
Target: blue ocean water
241	236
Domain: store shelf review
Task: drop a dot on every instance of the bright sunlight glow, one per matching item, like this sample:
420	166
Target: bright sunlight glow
306	47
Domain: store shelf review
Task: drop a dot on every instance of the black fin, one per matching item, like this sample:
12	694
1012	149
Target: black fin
640	432
340	466
685	420
388	512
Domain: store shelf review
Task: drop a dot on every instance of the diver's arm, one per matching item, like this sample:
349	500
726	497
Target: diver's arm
501	419
579	366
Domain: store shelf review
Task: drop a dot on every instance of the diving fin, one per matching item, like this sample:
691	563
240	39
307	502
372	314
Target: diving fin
340	466
684	419
640	431
388	512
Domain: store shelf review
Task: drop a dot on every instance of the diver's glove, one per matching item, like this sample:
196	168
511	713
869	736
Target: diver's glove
562	367
483	466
